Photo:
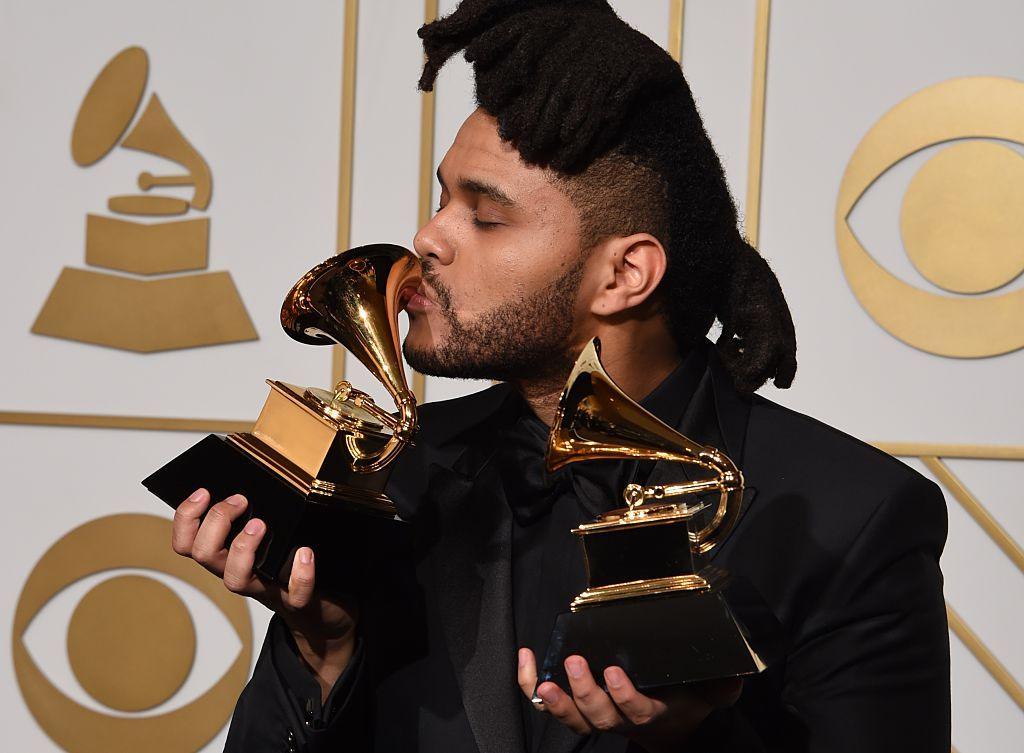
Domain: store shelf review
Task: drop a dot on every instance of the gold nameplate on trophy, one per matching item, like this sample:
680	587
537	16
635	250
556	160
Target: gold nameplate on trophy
651	605
303	434
315	464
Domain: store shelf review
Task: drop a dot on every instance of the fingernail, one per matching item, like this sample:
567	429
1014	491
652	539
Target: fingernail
253	526
574	666
614	677
522	658
235	500
305	555
197	495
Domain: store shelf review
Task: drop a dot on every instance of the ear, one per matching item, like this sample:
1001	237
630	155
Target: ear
628	271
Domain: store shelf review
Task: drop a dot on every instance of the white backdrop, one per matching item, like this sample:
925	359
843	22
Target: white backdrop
256	88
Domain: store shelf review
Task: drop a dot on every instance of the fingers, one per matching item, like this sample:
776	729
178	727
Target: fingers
301	581
186	521
209	547
561	706
638	708
595	705
238	567
527	672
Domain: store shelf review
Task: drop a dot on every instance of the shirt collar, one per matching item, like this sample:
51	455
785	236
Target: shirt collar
668	401
598	483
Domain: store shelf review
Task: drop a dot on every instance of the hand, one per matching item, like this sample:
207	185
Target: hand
658	722
323	628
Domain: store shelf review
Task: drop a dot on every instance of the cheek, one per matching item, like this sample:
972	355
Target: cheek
513	266
488	282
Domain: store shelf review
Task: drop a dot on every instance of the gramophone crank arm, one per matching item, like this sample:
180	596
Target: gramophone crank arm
660	491
343	391
730	488
402	431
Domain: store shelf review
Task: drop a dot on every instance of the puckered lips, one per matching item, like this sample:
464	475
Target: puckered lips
416	299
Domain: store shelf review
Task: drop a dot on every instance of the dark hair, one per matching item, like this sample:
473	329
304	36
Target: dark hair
578	91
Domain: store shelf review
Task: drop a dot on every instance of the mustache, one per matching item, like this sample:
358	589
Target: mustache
442	292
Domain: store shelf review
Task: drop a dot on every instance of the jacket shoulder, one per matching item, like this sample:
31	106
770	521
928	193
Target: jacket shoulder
444	420
830	512
787	447
822	485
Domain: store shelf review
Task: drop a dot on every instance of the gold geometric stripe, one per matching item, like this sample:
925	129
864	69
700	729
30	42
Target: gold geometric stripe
676	14
427	123
977	511
347	148
755	154
978	451
996	532
987	659
426	136
124	422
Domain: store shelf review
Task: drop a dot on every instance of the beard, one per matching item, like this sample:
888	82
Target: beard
529	338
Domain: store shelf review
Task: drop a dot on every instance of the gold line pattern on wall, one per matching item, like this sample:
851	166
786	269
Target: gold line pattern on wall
927	449
428	119
977	511
676	17
932	456
755	154
151	423
985	656
348	128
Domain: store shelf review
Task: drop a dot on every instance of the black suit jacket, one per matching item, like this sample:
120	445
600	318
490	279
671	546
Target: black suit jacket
841	540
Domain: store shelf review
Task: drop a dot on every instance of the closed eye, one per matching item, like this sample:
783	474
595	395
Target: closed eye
484	225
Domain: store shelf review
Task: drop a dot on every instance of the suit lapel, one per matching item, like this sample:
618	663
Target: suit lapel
471	588
469	559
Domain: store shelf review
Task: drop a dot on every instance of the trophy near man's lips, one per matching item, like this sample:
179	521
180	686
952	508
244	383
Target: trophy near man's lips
651	606
316	462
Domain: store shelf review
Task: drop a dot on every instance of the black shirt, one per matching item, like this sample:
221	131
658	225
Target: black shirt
841	541
547	562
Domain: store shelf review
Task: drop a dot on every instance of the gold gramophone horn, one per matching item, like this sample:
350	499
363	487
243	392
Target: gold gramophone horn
353	299
597	420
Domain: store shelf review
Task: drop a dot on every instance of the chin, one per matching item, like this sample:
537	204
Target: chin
419	350
427	359
420	336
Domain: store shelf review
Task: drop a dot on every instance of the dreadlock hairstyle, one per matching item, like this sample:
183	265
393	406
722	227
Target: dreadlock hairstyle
575	89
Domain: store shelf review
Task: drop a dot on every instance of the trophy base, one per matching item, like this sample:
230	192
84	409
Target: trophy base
685	636
350	533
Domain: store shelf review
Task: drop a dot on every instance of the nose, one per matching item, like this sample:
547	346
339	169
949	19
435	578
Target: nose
430	242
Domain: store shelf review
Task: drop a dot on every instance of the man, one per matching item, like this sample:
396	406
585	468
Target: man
583	198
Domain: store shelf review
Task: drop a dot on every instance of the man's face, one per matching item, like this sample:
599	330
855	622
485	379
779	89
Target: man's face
502	267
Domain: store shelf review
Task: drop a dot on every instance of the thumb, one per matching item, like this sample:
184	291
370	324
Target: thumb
302	579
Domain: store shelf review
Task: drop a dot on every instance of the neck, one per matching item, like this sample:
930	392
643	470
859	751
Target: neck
637	358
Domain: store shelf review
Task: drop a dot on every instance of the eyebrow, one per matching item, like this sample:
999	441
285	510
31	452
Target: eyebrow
482	188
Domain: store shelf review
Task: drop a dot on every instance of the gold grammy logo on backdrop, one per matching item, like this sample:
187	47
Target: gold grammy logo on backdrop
180	311
130	642
962	218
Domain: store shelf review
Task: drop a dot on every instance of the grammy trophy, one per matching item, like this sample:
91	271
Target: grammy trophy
652	606
315	464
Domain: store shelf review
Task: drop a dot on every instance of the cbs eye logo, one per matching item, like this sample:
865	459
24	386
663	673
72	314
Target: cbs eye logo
961	220
131	642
